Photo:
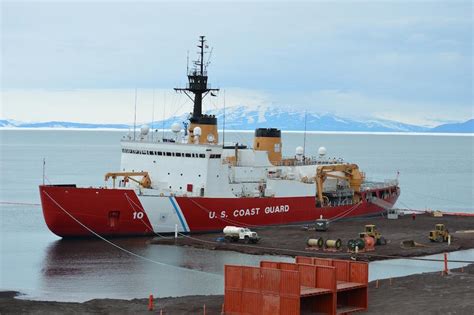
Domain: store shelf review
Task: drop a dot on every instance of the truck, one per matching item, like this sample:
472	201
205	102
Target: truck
236	233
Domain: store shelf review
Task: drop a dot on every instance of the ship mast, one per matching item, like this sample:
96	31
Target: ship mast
197	85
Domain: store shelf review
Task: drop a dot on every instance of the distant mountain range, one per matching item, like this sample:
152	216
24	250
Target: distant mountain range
465	127
245	118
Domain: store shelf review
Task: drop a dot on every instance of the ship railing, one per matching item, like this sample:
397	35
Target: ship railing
197	72
379	185
338	203
291	161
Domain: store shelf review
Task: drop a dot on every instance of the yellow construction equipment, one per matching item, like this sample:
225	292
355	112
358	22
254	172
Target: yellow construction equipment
371	230
351	174
439	234
145	182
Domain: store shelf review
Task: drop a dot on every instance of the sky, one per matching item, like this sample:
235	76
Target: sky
409	61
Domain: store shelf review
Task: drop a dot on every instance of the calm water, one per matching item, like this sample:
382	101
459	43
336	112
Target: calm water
435	172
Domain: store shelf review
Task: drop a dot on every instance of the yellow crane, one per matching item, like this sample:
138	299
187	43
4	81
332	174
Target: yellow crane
350	172
145	182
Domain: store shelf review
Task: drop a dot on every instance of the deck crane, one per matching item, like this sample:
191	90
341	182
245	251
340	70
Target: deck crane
350	173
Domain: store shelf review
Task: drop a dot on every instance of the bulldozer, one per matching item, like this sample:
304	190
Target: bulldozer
439	234
371	230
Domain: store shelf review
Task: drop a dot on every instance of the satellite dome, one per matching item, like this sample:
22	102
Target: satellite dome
197	131
322	151
175	127
144	130
299	150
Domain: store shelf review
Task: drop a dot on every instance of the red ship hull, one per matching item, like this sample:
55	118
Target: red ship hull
81	212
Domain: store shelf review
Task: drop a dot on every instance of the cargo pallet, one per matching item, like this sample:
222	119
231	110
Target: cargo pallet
311	286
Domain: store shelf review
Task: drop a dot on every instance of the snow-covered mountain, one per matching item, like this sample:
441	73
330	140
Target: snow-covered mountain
245	118
466	127
285	118
8	123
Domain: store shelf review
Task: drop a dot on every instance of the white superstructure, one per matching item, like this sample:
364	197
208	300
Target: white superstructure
208	170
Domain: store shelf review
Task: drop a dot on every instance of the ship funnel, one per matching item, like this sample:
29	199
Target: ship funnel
269	139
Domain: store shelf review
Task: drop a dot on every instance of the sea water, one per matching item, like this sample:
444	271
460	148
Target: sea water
435	172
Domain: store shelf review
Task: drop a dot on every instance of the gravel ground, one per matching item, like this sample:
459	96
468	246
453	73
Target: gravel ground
291	240
428	293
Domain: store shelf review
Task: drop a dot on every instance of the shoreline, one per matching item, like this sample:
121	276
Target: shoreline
420	293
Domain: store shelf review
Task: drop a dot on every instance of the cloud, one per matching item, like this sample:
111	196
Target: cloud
411	60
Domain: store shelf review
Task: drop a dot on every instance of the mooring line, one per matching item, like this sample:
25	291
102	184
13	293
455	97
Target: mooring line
123	249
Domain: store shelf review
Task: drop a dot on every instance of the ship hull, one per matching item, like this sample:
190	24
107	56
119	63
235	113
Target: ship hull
82	212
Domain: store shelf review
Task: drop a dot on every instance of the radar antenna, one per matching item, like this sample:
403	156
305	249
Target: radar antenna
197	84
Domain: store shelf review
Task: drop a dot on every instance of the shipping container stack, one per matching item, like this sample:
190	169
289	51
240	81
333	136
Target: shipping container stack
311	285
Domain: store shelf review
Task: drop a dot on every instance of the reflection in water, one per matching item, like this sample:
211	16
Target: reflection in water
73	257
78	270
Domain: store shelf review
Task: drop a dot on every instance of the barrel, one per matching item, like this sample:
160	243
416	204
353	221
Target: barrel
333	243
315	242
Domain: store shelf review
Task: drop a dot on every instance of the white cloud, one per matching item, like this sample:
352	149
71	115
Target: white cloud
406	60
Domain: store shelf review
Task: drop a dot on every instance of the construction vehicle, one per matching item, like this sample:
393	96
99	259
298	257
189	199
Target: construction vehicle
371	230
321	225
439	234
